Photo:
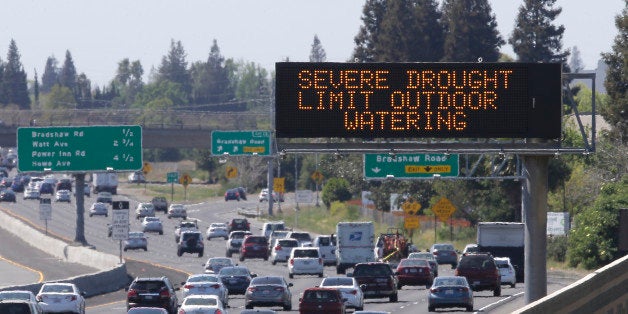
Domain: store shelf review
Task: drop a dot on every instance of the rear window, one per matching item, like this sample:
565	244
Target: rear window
305	253
301	236
324	241
199	301
18	308
148	286
476	262
372	270
267	281
444	247
414	263
288	243
338	281
256	240
320	295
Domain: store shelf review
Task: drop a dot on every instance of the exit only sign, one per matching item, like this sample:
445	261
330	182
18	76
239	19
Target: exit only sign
410	166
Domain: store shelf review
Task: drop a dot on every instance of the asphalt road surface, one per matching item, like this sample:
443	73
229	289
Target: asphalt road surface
161	258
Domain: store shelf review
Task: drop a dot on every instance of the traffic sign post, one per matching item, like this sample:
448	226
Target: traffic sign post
231	172
185	180
443	209
79	149
45	211
410	166
236	143
120	222
278	185
172	177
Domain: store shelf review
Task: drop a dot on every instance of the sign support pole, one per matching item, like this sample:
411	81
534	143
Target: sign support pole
534	206
120	247
80	209
316	183
171	192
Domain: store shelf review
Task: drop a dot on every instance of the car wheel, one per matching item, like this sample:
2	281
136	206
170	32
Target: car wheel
427	286
161	232
241	258
106	215
228	254
469	308
209	239
431	309
399	286
90	215
179	253
287	307
512	285
145	249
200	254
226	238
320	275
125	249
453	266
265	258
498	291
274	262
393	298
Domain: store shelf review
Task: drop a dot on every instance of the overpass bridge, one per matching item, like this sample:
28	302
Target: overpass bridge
160	128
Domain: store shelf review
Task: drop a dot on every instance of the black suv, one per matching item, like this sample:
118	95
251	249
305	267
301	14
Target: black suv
190	242
481	272
160	203
239	224
377	280
152	292
64	184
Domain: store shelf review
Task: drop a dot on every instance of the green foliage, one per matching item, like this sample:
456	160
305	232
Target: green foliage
174	67
336	189
535	38
211	83
557	248
593	240
471	31
616	77
583	99
60	97
161	95
67	75
50	76
349	212
13	83
317	54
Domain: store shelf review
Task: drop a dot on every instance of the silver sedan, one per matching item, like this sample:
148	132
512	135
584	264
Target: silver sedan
98	209
206	284
152	224
349	288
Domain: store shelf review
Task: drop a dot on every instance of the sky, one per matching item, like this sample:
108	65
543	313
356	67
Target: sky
100	33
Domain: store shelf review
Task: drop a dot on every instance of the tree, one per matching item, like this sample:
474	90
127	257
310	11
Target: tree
211	79
336	189
3	93
317	54
51	75
174	68
616	112
252	85
534	38
36	89
60	97
471	31
400	31
575	61
124	71
83	88
14	79
67	76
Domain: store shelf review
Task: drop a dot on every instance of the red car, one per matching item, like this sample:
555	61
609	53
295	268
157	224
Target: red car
414	272
322	300
254	247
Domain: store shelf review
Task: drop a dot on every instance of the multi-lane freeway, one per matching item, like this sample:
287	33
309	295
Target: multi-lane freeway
161	257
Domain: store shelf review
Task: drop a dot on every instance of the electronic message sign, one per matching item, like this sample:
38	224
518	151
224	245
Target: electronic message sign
414	100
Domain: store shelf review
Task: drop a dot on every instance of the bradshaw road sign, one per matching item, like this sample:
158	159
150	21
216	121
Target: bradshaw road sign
80	148
410	166
237	143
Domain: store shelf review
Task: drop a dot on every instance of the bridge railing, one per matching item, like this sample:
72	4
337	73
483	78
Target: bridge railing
179	119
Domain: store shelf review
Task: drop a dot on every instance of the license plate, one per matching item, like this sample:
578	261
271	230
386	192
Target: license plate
449	292
476	283
412	270
233	281
266	292
306	262
148	297
56	300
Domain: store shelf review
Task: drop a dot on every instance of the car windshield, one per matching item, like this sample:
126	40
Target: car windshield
136	235
199	301
305	253
152	219
188	225
234	272
203	278
218	225
444	247
267	281
444	281
301	236
338	281
415	262
423	255
288	243
57	288
279	234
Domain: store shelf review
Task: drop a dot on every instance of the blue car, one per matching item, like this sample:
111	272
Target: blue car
46	188
236	278
448	292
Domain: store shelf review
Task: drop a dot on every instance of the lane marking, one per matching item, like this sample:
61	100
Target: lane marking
41	275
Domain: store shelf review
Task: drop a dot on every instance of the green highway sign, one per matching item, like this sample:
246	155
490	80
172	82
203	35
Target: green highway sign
410	166
236	143
80	148
173	177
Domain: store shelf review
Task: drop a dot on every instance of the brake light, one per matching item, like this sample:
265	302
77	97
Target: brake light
181	311
38	298
354	292
188	286
215	286
320	260
278	248
464	289
434	290
73	298
131	294
164	294
292	261
252	289
456	272
218	311
279	289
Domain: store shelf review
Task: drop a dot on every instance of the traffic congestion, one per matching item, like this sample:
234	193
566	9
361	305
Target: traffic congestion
249	263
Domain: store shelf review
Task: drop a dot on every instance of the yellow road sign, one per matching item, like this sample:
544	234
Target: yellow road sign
411	207
317	176
278	185
147	168
428	169
232	172
443	209
411	222
185	179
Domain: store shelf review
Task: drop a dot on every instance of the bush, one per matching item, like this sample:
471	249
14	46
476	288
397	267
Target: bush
557	248
344	211
336	189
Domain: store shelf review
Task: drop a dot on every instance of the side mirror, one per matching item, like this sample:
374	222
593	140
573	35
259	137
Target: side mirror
362	287
253	275
182	283
290	284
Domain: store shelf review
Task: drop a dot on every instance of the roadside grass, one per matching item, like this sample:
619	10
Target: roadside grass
194	193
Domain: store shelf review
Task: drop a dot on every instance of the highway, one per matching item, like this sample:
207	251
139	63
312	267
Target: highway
162	259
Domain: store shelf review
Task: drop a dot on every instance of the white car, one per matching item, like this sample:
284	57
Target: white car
202	304
98	209
263	196
63	196
304	238
136	240
144	210
152	224
234	243
305	261
177	211
327	246
205	284
61	297
17	295
31	193
215	264
506	270
349	288
280	252
217	230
